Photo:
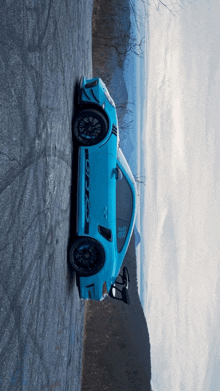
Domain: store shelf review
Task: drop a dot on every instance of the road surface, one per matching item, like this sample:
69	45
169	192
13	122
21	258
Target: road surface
45	46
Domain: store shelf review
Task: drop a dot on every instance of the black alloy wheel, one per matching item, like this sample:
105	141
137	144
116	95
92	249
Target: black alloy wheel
87	256
90	127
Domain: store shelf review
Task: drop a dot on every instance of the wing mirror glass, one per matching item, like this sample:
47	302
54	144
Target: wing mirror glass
118	173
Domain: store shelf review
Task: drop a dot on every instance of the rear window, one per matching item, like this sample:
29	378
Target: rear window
124	202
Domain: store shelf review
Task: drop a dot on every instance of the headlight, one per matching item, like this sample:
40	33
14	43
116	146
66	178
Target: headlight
108	96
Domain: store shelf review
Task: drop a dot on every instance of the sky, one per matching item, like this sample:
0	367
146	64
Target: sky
179	206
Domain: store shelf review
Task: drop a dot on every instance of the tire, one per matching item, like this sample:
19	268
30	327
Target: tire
87	256
90	127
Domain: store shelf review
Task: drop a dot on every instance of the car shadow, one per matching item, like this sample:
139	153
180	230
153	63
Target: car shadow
71	275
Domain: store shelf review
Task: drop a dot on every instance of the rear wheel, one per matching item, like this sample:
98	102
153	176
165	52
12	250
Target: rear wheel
87	256
90	127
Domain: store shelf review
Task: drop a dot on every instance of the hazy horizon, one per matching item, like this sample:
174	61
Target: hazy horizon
179	215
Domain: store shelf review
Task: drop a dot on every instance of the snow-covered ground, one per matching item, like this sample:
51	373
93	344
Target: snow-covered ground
136	80
177	148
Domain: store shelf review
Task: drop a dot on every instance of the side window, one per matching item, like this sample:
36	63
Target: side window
124	203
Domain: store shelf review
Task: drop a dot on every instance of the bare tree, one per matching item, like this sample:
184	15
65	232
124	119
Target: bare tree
140	180
125	126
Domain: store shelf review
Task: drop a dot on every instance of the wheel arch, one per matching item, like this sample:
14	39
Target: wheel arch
86	105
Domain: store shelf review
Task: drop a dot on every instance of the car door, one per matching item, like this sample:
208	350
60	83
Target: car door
103	188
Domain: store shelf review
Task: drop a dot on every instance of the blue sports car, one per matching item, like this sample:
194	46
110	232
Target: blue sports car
106	193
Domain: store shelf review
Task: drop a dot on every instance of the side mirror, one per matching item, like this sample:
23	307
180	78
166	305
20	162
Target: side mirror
118	173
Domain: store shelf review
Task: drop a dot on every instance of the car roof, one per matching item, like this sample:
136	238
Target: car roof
122	160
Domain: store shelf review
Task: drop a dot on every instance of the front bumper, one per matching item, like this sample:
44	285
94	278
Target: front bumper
94	92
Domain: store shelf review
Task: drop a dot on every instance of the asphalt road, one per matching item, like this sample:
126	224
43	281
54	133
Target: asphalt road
45	46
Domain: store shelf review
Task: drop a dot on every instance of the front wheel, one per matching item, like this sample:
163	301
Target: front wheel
90	127
87	256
